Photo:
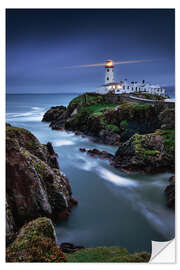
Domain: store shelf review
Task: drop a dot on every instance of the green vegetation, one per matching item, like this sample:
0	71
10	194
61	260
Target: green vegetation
140	145
24	137
89	97
35	243
99	107
114	128
12	132
149	96
107	254
168	138
124	123
141	142
94	108
134	106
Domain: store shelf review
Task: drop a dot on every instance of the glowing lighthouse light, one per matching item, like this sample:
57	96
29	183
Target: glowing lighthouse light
109	75
109	63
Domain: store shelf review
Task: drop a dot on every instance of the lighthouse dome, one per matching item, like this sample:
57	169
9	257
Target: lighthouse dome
109	64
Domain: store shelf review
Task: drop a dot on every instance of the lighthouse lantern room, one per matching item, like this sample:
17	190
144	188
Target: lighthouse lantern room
109	74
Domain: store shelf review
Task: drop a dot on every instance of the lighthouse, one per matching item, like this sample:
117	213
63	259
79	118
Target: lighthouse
109	74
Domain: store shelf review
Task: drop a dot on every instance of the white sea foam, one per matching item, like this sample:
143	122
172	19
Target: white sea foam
14	115
63	142
33	115
86	163
116	179
36	108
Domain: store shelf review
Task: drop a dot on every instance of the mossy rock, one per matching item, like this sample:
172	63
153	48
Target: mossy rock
36	242
20	137
149	152
107	254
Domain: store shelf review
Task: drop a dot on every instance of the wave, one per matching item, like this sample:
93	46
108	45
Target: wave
35	114
63	142
156	215
116	179
86	163
36	108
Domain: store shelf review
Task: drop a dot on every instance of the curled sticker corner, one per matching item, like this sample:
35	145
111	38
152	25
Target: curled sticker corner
158	254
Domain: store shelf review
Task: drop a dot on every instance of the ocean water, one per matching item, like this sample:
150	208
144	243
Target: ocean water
115	209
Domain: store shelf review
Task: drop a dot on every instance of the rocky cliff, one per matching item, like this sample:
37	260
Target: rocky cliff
107	120
35	186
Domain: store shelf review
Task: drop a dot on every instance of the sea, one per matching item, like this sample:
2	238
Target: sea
115	208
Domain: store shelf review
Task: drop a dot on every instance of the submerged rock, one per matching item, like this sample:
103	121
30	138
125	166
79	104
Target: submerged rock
34	184
36	242
96	153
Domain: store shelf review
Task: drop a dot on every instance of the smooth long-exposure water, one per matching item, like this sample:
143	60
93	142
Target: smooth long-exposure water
115	209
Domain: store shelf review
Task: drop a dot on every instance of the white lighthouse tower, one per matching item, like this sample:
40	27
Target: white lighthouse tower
109	74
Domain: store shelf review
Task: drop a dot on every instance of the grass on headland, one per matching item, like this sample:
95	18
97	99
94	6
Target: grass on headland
168	138
107	254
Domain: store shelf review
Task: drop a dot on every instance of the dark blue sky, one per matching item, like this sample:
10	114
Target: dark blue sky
40	43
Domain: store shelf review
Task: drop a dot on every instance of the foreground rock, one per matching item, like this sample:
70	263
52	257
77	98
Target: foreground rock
148	153
36	242
35	186
170	193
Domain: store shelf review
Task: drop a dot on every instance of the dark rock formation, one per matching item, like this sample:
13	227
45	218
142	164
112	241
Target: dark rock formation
54	113
149	153
170	193
167	119
82	149
34	185
36	242
96	153
69	247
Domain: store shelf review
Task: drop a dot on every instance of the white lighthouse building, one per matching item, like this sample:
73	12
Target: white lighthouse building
125	86
109	73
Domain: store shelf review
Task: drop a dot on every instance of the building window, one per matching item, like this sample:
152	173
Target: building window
107	78
107	69
132	88
128	87
124	87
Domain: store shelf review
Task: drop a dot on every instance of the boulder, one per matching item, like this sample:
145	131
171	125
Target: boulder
150	153
36	242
